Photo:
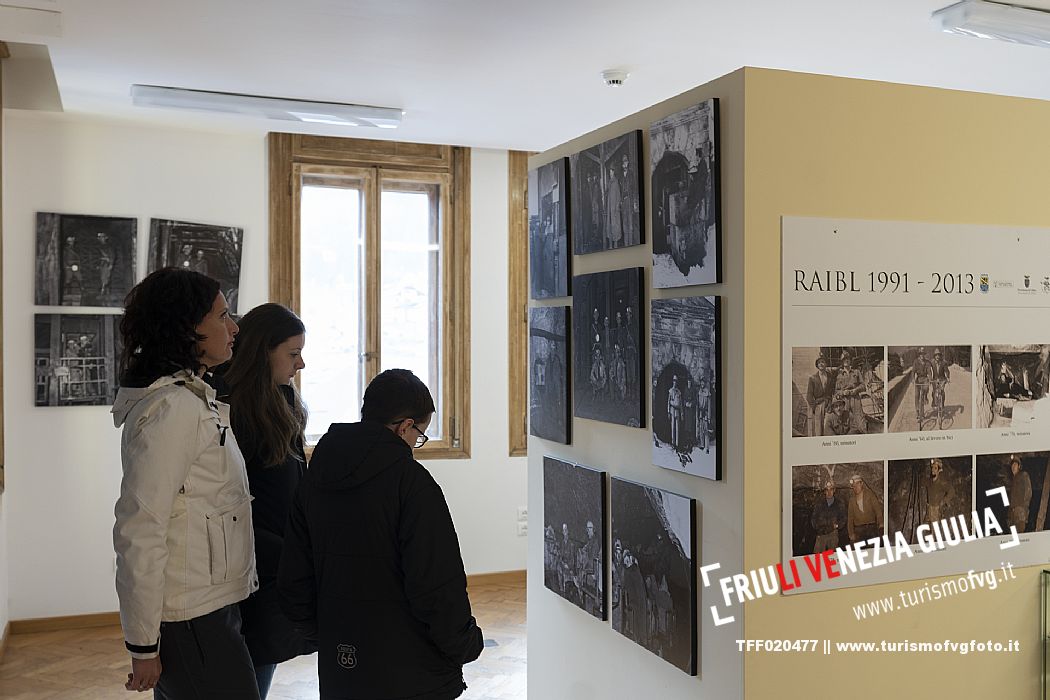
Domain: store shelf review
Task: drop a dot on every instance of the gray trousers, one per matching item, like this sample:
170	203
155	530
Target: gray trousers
206	659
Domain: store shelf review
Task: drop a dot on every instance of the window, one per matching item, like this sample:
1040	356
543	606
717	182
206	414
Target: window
369	244
518	304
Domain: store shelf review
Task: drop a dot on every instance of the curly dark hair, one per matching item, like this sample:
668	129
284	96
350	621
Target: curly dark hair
158	328
268	425
396	394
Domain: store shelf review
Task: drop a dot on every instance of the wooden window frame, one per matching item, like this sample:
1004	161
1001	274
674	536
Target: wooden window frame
290	156
518	301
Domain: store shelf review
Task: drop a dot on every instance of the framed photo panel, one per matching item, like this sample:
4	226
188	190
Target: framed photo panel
686	386
686	197
550	416
75	359
607	347
211	250
654	535
549	255
84	260
606	183
574	534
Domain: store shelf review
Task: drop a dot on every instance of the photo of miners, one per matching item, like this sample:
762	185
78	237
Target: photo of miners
549	415
929	387
1011	386
76	359
1026	479
211	250
607	347
684	168
84	260
653	574
549	255
924	491
606	195
686	389
837	390
574	534
835	505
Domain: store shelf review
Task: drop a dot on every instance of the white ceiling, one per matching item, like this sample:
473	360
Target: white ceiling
492	73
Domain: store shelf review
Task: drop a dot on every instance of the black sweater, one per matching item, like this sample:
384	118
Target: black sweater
269	634
371	568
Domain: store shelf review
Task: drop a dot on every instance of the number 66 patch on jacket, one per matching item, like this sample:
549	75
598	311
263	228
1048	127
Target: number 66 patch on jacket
346	655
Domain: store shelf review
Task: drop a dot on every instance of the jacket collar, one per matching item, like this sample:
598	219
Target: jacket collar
128	397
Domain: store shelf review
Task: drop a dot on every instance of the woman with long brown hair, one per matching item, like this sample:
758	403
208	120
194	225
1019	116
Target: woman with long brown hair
268	419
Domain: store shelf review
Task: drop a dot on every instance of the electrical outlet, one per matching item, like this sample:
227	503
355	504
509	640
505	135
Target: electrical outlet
523	513
523	529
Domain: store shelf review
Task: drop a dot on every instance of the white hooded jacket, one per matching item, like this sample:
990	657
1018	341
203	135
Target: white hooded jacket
183	532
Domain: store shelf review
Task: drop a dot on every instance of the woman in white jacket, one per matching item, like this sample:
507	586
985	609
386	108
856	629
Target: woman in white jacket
183	533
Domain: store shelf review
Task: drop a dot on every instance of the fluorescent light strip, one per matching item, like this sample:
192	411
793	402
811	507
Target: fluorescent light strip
994	20
269	107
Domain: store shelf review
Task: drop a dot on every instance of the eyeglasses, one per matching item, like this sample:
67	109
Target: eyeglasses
421	440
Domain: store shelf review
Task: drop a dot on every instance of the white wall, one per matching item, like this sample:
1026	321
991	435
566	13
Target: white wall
63	464
484	492
572	655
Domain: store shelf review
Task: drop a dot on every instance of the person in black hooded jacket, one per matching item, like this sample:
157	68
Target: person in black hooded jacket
371	566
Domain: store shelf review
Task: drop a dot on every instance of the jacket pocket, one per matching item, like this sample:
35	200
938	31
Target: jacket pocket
230	541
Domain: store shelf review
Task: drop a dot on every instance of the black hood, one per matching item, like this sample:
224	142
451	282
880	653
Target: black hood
350	454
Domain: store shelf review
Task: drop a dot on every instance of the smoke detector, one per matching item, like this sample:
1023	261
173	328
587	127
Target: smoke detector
614	78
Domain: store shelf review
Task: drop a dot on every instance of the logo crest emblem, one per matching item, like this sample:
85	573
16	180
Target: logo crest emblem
984	283
1027	281
346	655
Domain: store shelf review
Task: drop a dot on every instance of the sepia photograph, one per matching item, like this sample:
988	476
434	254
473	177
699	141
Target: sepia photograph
607	195
607	347
549	254
837	390
574	534
835	505
686	200
1011	386
76	359
1024	476
654	535
84	260
923	491
550	416
929	387
211	250
686	397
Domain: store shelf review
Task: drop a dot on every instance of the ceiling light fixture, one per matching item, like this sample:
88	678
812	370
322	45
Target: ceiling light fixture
996	20
269	107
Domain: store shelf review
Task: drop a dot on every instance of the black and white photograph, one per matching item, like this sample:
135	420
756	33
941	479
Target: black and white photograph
686	200
549	255
574	534
838	390
1011	386
606	183
686	400
834	505
654	535
607	347
76	359
84	260
929	387
550	416
1024	475
924	491
211	250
